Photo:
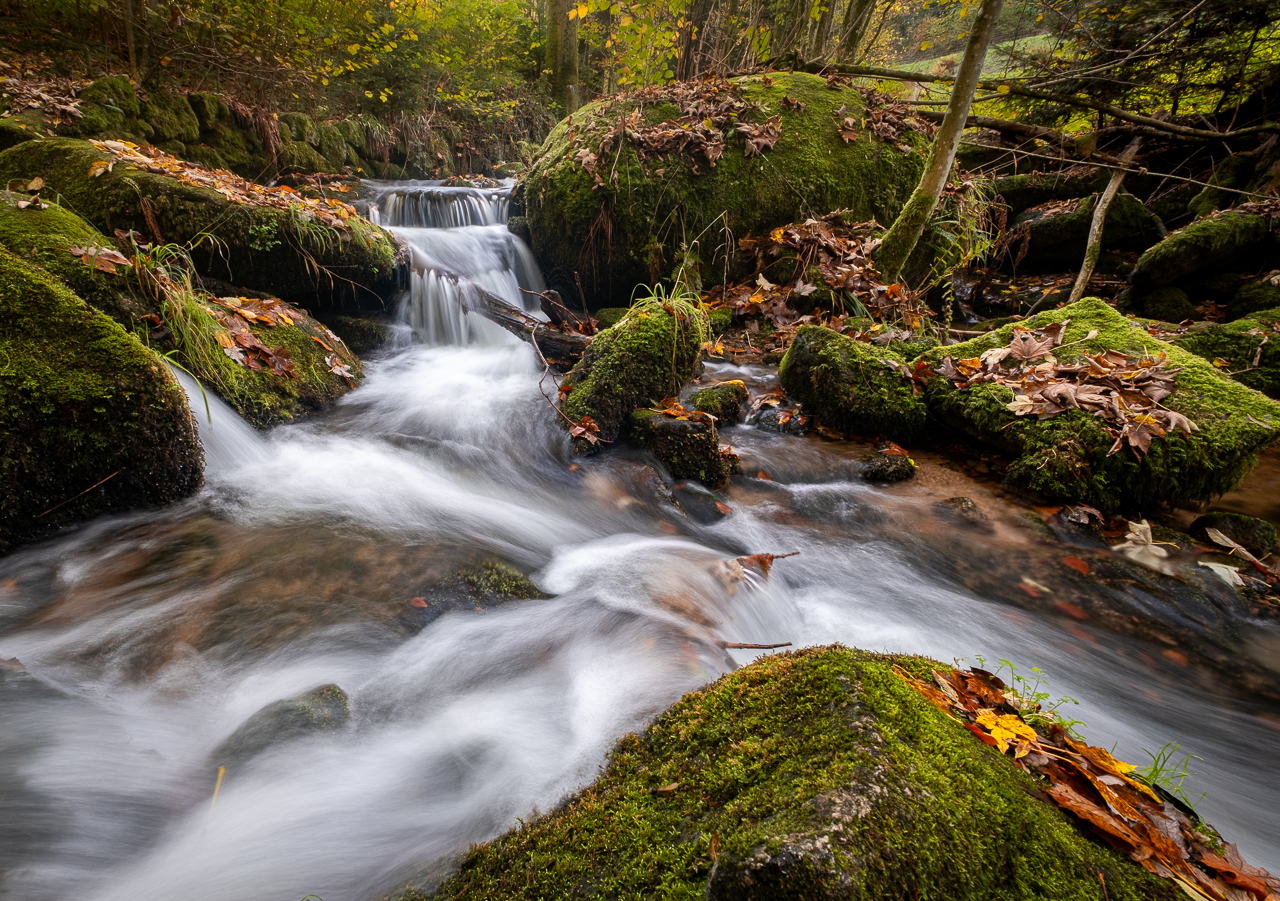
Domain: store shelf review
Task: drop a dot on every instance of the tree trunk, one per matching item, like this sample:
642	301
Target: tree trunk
562	55
128	36
1094	248
902	237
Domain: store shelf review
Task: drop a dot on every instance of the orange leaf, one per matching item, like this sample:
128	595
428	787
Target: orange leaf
418	602
1077	564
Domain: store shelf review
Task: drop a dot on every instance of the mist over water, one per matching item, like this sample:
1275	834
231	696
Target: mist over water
151	638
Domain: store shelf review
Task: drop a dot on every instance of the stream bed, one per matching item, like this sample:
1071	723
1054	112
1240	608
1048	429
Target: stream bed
148	639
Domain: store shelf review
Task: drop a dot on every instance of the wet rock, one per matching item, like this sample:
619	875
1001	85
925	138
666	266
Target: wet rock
264	249
782	420
324	709
647	356
964	511
1058	231
1067	457
1250	346
888	464
360	333
724	401
850	387
1022	192
688	449
614	235
92	421
1256	535
699	504
837	505
808	775
473	587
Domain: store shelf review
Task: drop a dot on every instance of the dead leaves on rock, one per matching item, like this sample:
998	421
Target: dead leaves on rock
1125	392
55	97
330	212
104	259
1095	787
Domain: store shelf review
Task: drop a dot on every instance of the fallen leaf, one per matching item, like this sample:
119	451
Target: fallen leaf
1077	564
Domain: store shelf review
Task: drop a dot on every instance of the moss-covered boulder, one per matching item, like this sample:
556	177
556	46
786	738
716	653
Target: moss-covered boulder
1168	305
324	709
628	230
46	238
723	401
171	118
110	107
278	251
810	775
91	421
850	386
1231	240
1256	296
1058	231
1067	457
1250	347
688	448
648	355
1022	192
1256	535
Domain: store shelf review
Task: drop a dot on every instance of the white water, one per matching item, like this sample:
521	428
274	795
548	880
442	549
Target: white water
153	637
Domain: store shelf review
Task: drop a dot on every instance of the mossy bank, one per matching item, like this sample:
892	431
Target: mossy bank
91	421
814	774
629	230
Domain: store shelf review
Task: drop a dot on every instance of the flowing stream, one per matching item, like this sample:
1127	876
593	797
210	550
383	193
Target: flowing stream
148	639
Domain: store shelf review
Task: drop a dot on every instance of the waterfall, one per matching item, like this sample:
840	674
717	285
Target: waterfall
229	442
459	246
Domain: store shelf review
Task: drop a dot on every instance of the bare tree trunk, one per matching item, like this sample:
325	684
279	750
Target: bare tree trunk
1094	248
562	55
902	237
128	35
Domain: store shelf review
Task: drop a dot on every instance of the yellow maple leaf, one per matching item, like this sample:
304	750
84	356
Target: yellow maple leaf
1004	728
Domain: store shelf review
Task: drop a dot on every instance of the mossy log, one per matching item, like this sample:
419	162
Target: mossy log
850	387
648	355
91	421
629	231
281	252
1066	457
1240	344
818	774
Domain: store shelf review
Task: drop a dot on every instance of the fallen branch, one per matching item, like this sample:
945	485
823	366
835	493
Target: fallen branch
1094	248
754	647
560	349
81	494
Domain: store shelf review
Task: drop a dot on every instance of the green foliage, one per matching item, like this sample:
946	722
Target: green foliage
1169	771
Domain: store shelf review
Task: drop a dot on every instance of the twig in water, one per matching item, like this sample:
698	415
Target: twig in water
754	647
547	368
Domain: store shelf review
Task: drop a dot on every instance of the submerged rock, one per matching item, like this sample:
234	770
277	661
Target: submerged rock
648	355
689	449
850	387
1067	457
279	251
888	464
91	421
324	709
629	229
807	775
1250	347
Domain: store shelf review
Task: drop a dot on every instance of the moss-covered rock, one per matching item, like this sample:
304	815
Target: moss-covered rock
359	333
848	385
648	355
1256	535
14	131
1239	343
90	420
629	230
1168	305
1066	457
609	316
1256	296
1022	192
809	775
723	401
46	237
1059	232
210	110
171	118
1229	240
277	251
324	709
1232	173
688	449
110	107
295	156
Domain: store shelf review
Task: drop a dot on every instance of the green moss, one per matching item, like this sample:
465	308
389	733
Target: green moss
81	402
1233	172
724	402
1256	296
1169	305
688	449
1021	192
310	265
46	236
295	156
1257	535
172	117
1065	458
360	334
629	233
13	132
815	774
1234	343
847	385
301	128
210	110
647	356
332	146
1214	243
1058	236
110	108
610	316
490	581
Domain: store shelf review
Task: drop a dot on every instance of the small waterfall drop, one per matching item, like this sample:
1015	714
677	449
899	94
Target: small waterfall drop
229	442
459	246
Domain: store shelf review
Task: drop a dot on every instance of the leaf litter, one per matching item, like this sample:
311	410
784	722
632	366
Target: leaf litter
1141	820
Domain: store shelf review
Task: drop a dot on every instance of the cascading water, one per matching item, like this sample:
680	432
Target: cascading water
149	639
459	245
